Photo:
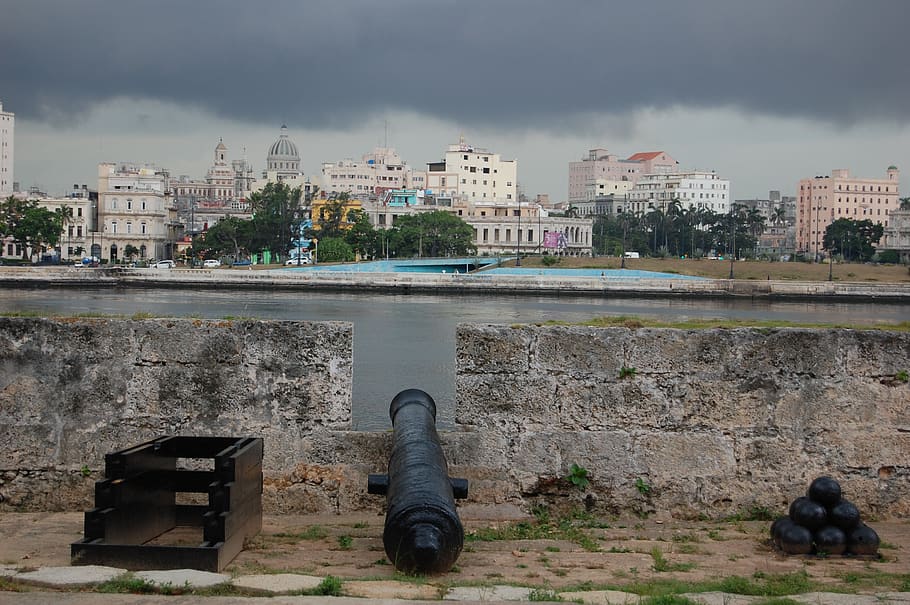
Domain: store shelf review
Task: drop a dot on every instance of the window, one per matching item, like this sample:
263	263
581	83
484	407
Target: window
129	227
129	204
79	212
113	226
142	228
79	231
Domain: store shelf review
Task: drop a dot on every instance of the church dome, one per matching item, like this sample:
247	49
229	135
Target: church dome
283	148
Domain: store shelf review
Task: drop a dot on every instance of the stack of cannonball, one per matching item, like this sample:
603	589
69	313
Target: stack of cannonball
823	522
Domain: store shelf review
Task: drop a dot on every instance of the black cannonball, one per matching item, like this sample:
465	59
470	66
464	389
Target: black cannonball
795	504
844	515
809	514
795	539
777	527
825	491
862	540
830	540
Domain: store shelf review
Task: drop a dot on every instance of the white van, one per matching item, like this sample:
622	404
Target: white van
632	255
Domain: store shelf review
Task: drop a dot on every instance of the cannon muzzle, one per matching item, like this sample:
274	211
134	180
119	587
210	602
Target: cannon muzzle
423	533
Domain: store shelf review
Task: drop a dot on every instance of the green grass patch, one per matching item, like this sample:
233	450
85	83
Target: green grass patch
315	532
661	563
541	528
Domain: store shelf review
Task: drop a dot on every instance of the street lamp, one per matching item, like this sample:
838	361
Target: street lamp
518	261
733	247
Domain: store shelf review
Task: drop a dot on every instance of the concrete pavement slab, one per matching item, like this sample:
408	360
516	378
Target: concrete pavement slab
488	593
277	583
7	571
79	575
389	589
602	597
179	578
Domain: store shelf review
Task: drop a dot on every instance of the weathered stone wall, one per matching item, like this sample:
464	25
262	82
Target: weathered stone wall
74	390
706	422
688	421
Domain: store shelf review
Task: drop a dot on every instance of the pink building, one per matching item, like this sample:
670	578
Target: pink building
824	199
600	164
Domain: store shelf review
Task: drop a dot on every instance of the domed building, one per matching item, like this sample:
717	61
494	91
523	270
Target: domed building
283	158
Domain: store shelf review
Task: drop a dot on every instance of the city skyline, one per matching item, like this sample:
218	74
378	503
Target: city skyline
763	93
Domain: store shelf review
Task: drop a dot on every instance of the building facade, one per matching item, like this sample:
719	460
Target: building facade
694	190
472	174
375	173
7	151
821	200
283	158
602	165
898	233
135	208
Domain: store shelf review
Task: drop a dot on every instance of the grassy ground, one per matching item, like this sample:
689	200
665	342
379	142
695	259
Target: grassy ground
717	269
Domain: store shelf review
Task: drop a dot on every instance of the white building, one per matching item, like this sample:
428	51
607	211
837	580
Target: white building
7	149
472	174
693	189
372	175
283	158
135	208
283	166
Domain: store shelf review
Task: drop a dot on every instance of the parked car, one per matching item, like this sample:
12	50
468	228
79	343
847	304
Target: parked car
165	264
211	263
304	260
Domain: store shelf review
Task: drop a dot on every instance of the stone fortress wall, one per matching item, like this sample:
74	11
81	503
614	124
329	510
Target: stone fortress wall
674	422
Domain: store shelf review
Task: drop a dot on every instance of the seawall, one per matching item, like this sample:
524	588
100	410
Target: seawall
686	423
449	283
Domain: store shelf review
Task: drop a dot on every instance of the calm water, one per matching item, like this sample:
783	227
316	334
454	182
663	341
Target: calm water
403	341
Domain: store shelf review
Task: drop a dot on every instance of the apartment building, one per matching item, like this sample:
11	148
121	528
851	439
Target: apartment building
821	200
693	189
135	208
601	165
472	174
7	151
376	172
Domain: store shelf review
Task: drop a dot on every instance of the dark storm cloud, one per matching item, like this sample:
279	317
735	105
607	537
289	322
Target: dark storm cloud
509	63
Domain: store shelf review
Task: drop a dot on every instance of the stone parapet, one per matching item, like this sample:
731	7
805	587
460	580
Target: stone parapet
674	422
689	421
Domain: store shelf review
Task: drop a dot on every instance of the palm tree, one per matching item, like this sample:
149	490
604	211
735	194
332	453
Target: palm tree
905	203
64	217
778	215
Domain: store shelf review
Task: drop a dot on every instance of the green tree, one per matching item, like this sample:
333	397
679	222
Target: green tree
332	219
276	215
129	251
333	250
905	203
230	235
362	237
853	240
29	225
436	233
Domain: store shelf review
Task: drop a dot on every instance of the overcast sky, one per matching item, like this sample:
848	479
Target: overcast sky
764	92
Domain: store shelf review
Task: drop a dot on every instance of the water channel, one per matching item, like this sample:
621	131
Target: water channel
403	341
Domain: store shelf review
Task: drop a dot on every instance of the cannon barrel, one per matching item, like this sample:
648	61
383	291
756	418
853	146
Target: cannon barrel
422	533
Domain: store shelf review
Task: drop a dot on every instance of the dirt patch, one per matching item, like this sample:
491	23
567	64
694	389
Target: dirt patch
506	547
588	553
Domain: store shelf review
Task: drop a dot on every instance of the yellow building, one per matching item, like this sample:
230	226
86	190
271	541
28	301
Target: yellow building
321	212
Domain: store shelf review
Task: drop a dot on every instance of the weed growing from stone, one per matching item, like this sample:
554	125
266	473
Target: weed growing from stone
316	532
643	487
345	542
578	476
543	594
625	372
661	564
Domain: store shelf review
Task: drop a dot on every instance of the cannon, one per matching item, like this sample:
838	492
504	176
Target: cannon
422	532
